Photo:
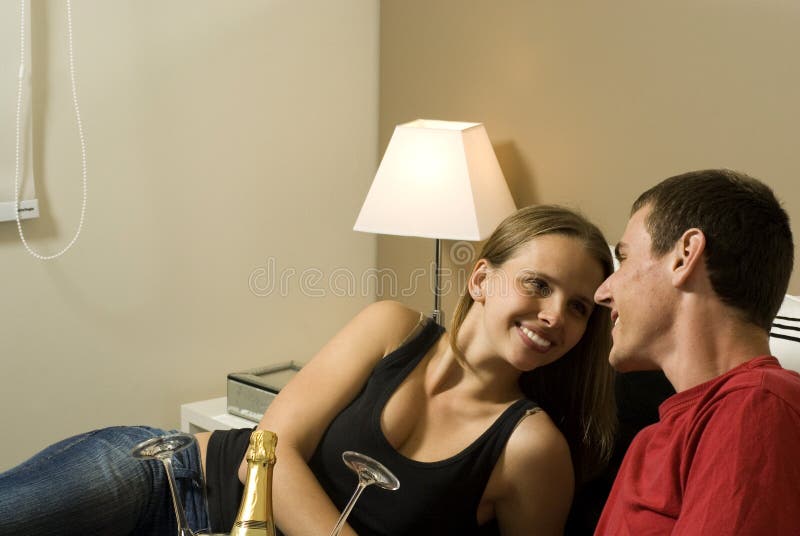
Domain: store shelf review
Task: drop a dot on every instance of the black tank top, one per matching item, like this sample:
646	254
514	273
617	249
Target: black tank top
436	498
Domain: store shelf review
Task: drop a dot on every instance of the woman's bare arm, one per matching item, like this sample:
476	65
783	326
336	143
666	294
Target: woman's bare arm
302	411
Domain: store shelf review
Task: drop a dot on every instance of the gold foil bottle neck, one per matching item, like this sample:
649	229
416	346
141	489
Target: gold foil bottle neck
262	447
255	511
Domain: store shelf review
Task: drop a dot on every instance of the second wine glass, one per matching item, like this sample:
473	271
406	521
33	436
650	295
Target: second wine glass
369	472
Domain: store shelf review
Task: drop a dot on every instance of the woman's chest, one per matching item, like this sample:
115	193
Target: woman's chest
430	427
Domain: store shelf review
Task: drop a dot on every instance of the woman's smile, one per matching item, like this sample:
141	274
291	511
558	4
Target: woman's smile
535	340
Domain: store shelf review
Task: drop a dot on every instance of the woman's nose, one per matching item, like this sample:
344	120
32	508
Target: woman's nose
552	313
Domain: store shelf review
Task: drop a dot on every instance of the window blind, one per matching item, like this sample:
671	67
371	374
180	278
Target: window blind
9	71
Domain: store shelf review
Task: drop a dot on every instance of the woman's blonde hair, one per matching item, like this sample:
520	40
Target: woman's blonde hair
577	390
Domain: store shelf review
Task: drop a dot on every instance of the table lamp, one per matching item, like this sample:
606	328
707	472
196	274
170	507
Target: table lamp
440	180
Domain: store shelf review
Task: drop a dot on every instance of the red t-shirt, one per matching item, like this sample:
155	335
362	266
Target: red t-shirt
723	459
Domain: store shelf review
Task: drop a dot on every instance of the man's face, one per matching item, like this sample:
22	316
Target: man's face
638	294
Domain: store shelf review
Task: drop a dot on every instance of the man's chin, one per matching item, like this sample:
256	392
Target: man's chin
622	362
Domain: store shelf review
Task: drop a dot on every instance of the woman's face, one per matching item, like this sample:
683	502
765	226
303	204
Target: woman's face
537	304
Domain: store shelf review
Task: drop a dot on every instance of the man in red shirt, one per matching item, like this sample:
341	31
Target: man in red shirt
705	262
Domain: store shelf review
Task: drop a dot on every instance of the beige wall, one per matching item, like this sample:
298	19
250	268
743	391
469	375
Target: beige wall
222	137
590	103
227	139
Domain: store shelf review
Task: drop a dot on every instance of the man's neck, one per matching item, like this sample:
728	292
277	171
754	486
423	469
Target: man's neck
708	342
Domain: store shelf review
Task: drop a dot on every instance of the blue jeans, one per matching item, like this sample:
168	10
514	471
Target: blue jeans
90	484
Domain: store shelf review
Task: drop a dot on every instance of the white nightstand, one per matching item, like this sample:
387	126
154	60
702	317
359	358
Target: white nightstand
208	415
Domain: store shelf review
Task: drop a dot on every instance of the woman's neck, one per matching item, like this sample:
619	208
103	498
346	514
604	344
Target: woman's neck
480	370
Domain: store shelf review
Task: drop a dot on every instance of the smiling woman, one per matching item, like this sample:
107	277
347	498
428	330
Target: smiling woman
457	414
576	390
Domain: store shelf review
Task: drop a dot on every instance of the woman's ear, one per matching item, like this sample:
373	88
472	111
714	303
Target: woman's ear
477	281
688	256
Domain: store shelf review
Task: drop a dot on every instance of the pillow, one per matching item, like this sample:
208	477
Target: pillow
613	256
784	337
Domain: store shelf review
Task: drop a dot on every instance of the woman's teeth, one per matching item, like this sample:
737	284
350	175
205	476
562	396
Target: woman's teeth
539	340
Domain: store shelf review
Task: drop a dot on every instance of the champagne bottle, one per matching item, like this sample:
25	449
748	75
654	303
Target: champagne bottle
255	510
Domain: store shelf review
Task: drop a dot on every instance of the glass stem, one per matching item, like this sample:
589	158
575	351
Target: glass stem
346	512
180	516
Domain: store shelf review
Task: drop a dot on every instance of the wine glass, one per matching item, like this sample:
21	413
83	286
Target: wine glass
369	472
162	449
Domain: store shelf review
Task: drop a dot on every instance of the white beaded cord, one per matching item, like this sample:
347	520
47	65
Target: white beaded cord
17	157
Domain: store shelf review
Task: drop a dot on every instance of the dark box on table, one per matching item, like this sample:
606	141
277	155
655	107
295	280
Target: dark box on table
251	391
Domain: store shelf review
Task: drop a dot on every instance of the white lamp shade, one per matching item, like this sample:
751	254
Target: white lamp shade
437	179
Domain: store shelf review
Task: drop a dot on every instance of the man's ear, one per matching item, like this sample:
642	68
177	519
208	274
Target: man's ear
477	281
687	256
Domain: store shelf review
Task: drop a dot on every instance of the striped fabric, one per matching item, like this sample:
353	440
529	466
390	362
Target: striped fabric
784	337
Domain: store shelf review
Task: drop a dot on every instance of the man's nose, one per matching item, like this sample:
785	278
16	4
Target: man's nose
602	295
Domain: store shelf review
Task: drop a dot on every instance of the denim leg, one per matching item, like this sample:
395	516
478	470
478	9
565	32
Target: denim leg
90	484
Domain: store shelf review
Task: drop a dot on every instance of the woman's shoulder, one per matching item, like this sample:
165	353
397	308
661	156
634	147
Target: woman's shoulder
536	448
390	321
533	482
537	438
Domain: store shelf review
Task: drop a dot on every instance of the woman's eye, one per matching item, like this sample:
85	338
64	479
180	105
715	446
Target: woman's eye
539	286
580	308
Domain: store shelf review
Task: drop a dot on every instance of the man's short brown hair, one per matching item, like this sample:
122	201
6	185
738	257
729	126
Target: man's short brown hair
749	251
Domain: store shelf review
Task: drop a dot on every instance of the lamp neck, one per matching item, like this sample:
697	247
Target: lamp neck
437	315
